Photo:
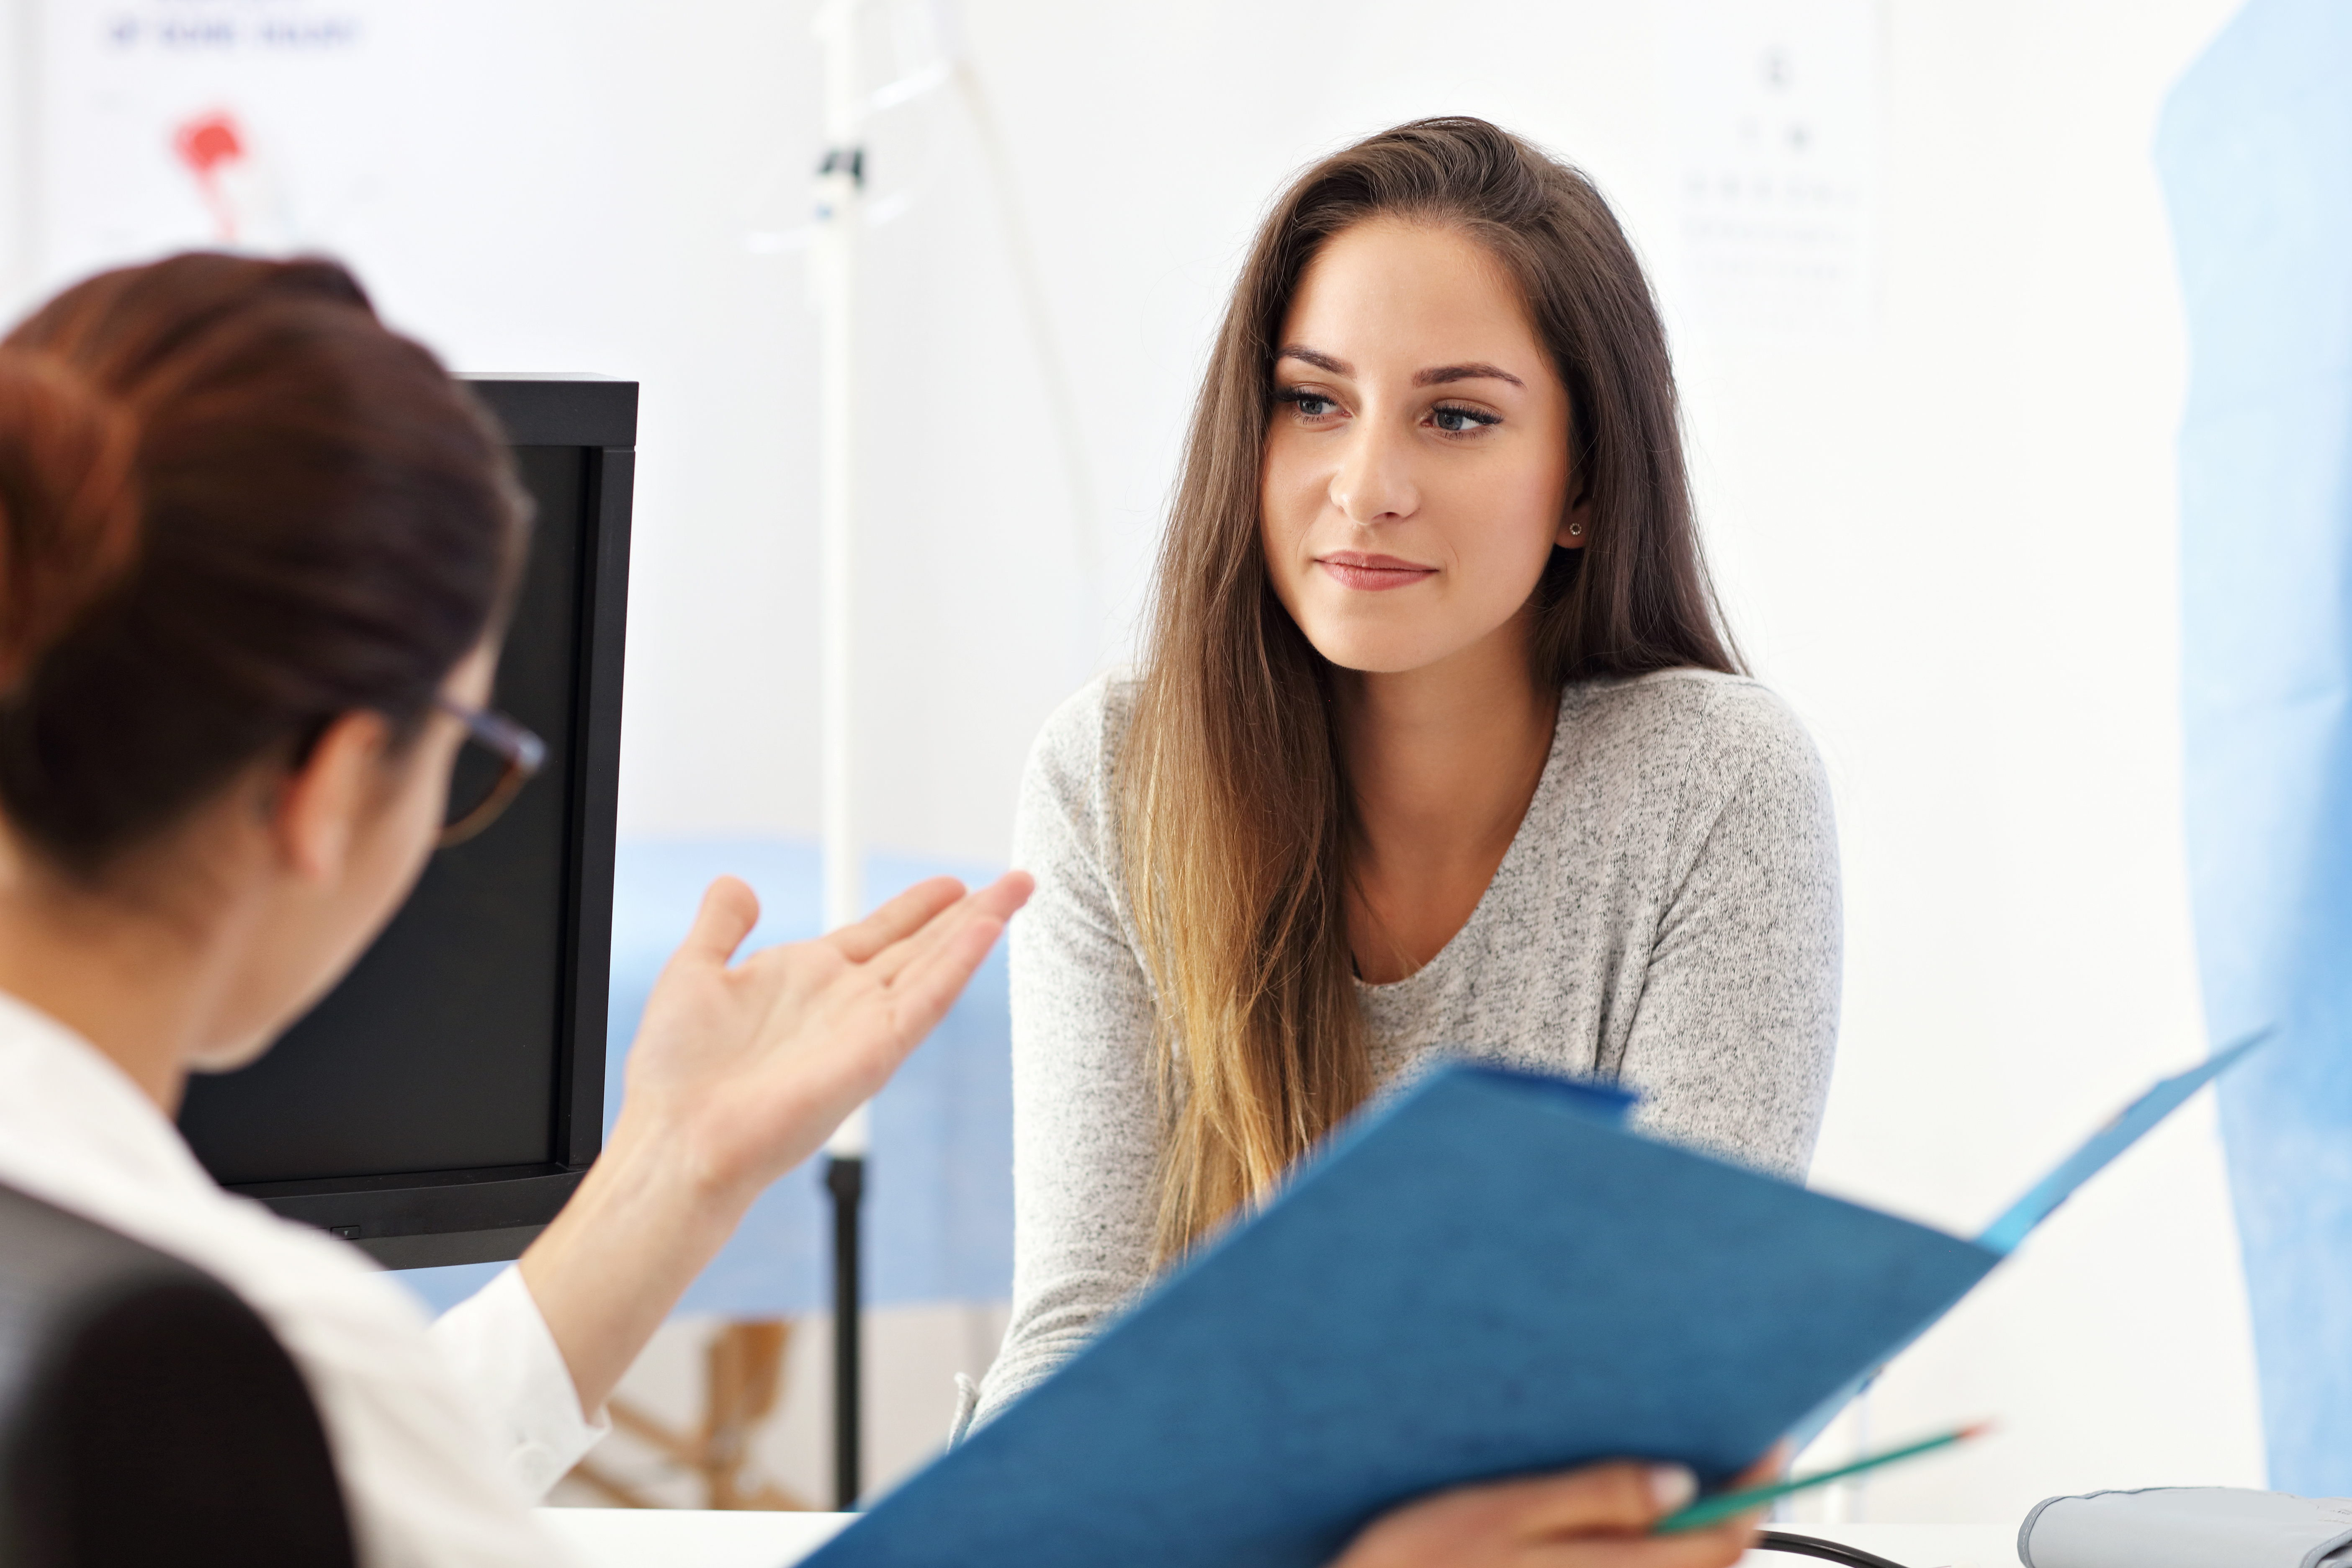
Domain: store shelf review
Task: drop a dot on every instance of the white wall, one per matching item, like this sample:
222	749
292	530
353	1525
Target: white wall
1948	539
17	112
1955	551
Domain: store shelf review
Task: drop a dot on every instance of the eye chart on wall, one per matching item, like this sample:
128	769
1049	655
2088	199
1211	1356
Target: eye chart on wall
1770	108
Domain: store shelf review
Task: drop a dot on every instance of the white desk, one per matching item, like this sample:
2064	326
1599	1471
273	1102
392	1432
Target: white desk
689	1538
682	1538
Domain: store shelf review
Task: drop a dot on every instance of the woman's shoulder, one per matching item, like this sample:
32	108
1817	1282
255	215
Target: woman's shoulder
1705	724
1080	740
1087	723
1065	786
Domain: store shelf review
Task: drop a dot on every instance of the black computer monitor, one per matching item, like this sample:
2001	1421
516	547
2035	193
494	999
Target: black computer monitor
442	1102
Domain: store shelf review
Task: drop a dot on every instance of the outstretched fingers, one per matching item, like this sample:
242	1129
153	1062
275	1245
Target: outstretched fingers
922	994
897	920
994	903
922	977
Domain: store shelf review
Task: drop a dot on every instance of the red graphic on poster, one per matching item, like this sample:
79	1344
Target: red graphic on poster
209	144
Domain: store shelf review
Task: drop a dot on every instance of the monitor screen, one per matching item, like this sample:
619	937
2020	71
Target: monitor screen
441	1102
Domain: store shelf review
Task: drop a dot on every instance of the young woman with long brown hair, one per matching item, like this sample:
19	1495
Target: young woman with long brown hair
1437	746
254	555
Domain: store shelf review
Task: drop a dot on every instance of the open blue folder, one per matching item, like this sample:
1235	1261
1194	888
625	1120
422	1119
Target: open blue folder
1489	1275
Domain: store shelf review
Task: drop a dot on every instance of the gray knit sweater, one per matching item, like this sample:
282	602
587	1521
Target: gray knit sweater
1666	917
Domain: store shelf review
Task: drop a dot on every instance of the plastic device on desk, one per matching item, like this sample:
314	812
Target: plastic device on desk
2187	1527
1487	1276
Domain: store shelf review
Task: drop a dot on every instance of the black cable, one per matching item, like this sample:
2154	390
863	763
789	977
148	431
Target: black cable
1829	1550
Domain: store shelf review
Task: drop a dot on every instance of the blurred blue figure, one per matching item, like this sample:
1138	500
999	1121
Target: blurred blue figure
2255	151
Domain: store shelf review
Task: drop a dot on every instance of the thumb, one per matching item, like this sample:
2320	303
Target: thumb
729	910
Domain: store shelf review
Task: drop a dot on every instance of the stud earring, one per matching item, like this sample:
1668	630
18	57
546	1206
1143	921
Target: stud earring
1576	528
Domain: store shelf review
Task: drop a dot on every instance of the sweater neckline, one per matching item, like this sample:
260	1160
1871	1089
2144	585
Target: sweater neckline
1547	784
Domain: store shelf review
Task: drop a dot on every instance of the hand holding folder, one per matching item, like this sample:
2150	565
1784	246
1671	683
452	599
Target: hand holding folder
1489	1277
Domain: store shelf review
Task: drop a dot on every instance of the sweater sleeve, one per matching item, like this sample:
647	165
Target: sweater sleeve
1085	1128
1731	1045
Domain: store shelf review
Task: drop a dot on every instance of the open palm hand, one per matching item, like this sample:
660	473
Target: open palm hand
752	1064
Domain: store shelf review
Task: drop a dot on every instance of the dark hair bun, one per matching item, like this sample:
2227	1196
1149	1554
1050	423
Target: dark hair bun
68	504
234	505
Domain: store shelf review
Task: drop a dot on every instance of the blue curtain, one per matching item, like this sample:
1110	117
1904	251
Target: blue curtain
2256	152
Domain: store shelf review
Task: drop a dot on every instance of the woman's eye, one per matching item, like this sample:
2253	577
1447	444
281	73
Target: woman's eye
1310	405
1455	421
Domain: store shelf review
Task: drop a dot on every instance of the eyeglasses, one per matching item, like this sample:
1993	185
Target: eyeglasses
500	758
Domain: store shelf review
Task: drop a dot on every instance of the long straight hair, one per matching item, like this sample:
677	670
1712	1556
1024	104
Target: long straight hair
1236	816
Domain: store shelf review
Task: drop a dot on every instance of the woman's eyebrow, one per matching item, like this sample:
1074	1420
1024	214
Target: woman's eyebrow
1320	360
1445	373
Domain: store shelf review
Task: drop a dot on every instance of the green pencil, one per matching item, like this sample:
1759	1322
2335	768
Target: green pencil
1711	1510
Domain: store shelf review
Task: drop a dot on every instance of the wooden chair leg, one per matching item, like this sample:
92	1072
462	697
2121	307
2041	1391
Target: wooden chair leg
743	1381
746	1377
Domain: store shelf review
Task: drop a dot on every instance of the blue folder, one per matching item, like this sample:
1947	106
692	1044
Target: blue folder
1488	1275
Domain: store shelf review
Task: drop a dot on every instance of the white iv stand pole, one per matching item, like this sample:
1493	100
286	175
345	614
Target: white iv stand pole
832	285
833	276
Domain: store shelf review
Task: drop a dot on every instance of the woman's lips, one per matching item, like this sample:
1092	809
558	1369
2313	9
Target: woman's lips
1374	573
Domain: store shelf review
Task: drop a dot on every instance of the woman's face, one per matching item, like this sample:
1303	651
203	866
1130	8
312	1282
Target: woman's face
1416	474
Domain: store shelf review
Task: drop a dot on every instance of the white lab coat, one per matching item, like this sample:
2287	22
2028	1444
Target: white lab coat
443	1435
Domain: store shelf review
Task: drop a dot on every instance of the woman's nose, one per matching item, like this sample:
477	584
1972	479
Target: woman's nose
1375	481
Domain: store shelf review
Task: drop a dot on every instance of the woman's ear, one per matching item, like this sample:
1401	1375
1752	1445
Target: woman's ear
1575	526
320	803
